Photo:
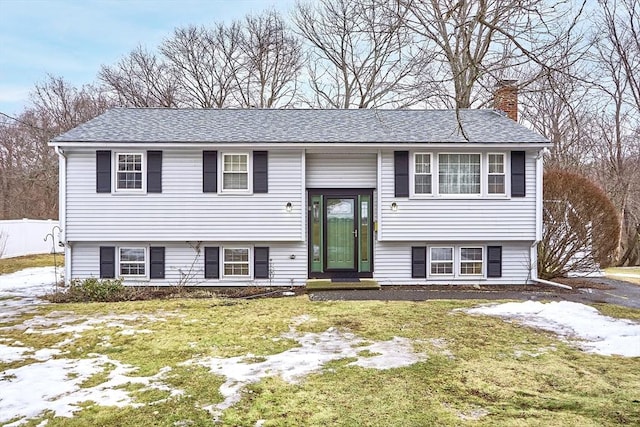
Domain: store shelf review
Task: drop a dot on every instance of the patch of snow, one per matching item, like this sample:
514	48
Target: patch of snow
580	324
316	349
19	291
396	353
10	354
54	385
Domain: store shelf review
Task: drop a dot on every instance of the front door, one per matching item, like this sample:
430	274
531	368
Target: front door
340	233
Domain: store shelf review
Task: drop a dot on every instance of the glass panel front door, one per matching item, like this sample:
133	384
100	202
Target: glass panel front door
341	233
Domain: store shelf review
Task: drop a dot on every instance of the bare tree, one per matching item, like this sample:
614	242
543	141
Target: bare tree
271	62
141	79
615	63
205	63
481	41
361	53
28	166
560	108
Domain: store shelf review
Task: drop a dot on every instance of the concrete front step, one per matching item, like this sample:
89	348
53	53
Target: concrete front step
328	285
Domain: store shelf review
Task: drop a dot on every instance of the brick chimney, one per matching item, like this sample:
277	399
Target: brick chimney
505	98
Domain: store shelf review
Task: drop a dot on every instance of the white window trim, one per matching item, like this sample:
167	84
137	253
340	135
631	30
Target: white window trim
506	173
460	261
114	174
484	174
453	262
249	262
456	195
249	189
412	172
146	263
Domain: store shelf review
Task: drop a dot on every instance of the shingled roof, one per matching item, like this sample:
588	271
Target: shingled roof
168	125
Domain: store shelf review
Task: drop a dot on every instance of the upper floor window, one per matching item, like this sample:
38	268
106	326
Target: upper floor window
422	173
496	181
235	172
129	171
459	173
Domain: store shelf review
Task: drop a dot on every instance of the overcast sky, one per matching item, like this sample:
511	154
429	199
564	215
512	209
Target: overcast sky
72	38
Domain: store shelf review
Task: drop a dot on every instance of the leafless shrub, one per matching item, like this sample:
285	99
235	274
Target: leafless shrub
581	226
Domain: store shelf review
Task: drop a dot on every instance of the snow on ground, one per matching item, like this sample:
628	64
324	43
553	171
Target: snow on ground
55	385
54	382
19	291
580	324
316	349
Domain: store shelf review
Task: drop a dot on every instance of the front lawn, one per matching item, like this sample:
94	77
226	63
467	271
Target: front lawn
163	360
627	274
11	265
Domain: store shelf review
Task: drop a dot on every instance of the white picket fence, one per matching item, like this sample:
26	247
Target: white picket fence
27	237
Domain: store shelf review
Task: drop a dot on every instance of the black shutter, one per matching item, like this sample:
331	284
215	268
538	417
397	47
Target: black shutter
210	172
103	171
418	262
260	172
261	263
494	261
212	262
156	262
107	262
401	171
154	171
518	184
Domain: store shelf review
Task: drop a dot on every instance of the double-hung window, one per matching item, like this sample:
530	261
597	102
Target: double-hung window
495	178
470	261
422	173
235	172
441	261
459	173
132	261
129	173
236	262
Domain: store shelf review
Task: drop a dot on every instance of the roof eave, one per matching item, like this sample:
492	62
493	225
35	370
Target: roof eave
280	145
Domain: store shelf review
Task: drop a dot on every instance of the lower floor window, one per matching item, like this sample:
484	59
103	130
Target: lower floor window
236	262
132	261
470	261
441	260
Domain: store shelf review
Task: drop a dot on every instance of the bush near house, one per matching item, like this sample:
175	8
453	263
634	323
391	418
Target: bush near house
581	226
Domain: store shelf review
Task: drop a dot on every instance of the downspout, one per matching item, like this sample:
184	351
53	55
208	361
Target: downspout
62	212
539	225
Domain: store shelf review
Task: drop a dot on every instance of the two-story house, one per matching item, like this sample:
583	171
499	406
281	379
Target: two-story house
215	197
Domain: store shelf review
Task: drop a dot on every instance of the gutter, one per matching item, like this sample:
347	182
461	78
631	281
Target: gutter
62	211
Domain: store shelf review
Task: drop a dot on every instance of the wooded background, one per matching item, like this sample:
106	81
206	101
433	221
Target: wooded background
577	67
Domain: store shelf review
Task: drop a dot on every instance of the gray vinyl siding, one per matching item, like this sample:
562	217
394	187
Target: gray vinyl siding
393	264
341	170
182	212
446	218
179	258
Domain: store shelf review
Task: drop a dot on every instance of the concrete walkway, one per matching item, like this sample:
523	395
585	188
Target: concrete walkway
620	293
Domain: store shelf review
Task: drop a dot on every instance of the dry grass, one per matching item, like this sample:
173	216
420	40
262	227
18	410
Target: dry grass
498	372
11	265
622	273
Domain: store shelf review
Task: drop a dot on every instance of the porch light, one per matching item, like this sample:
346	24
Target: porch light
394	207
289	207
